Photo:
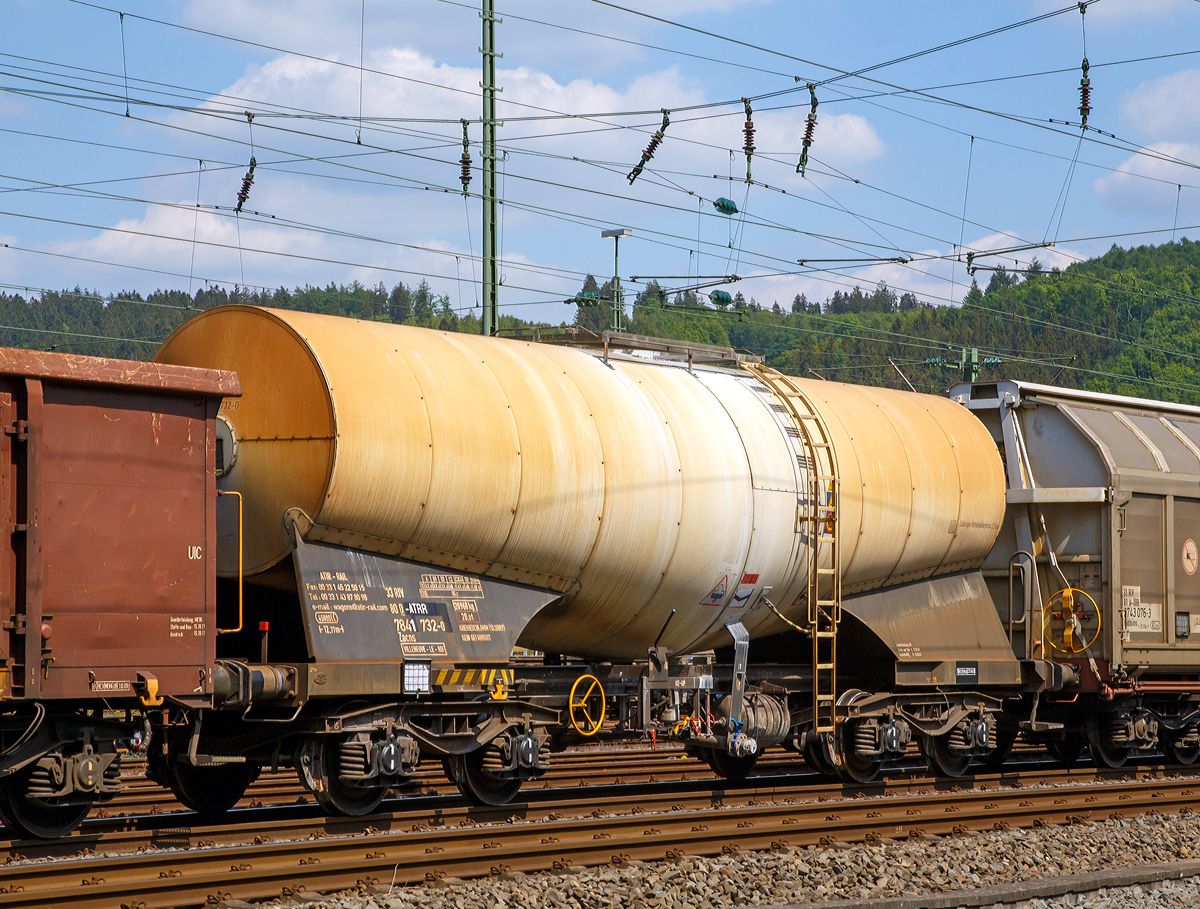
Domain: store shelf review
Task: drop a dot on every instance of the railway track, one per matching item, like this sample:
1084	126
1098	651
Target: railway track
148	863
615	766
584	768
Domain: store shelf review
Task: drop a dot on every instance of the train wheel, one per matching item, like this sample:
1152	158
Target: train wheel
941	759
211	791
855	768
322	757
1006	737
33	818
1105	754
818	753
477	784
728	767
1177	752
1067	749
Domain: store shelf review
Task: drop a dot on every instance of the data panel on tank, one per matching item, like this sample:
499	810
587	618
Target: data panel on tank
363	607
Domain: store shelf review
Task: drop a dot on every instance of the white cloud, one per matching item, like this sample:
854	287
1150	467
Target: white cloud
1165	108
11	107
1125	191
321	27
162	239
1049	257
691	146
850	138
845	138
330	89
395	206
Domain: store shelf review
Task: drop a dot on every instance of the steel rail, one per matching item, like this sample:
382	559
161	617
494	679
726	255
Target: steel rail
431	806
142	795
186	830
588	768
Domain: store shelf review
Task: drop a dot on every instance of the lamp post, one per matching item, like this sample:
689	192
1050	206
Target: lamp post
616	233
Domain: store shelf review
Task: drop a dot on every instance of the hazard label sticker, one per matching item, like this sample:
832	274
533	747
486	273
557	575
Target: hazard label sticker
741	597
717	595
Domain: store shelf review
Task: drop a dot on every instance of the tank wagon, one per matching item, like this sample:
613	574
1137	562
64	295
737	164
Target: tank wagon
374	517
689	547
1094	571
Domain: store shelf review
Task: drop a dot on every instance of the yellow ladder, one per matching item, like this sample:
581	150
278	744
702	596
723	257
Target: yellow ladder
818	518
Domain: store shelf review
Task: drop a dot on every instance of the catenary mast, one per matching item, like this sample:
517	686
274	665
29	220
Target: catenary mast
490	321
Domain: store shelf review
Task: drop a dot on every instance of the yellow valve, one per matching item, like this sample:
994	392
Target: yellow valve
1072	642
577	706
499	692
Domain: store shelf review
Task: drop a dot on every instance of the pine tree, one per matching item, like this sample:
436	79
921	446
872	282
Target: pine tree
400	303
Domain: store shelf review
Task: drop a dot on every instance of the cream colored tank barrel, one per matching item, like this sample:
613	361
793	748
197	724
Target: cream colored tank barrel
634	487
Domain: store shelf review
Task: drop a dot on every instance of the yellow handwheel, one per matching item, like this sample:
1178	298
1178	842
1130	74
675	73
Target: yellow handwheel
1069	643
581	716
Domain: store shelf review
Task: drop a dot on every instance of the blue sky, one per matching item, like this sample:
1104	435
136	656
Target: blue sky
92	198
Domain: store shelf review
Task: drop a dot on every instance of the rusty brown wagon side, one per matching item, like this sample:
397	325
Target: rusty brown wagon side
107	577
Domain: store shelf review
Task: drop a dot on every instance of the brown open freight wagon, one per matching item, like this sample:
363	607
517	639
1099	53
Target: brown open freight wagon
107	593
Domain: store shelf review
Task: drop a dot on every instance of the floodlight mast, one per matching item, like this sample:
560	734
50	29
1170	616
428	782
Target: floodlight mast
616	234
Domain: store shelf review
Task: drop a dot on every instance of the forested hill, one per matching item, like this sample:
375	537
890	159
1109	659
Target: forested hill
1127	322
130	326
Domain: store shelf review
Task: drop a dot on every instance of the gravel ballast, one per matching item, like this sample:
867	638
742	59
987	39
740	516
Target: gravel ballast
867	872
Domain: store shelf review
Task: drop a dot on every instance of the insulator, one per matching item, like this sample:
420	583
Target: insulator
585	298
465	161
748	136
247	182
1085	94
810	128
652	147
720	298
726	206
